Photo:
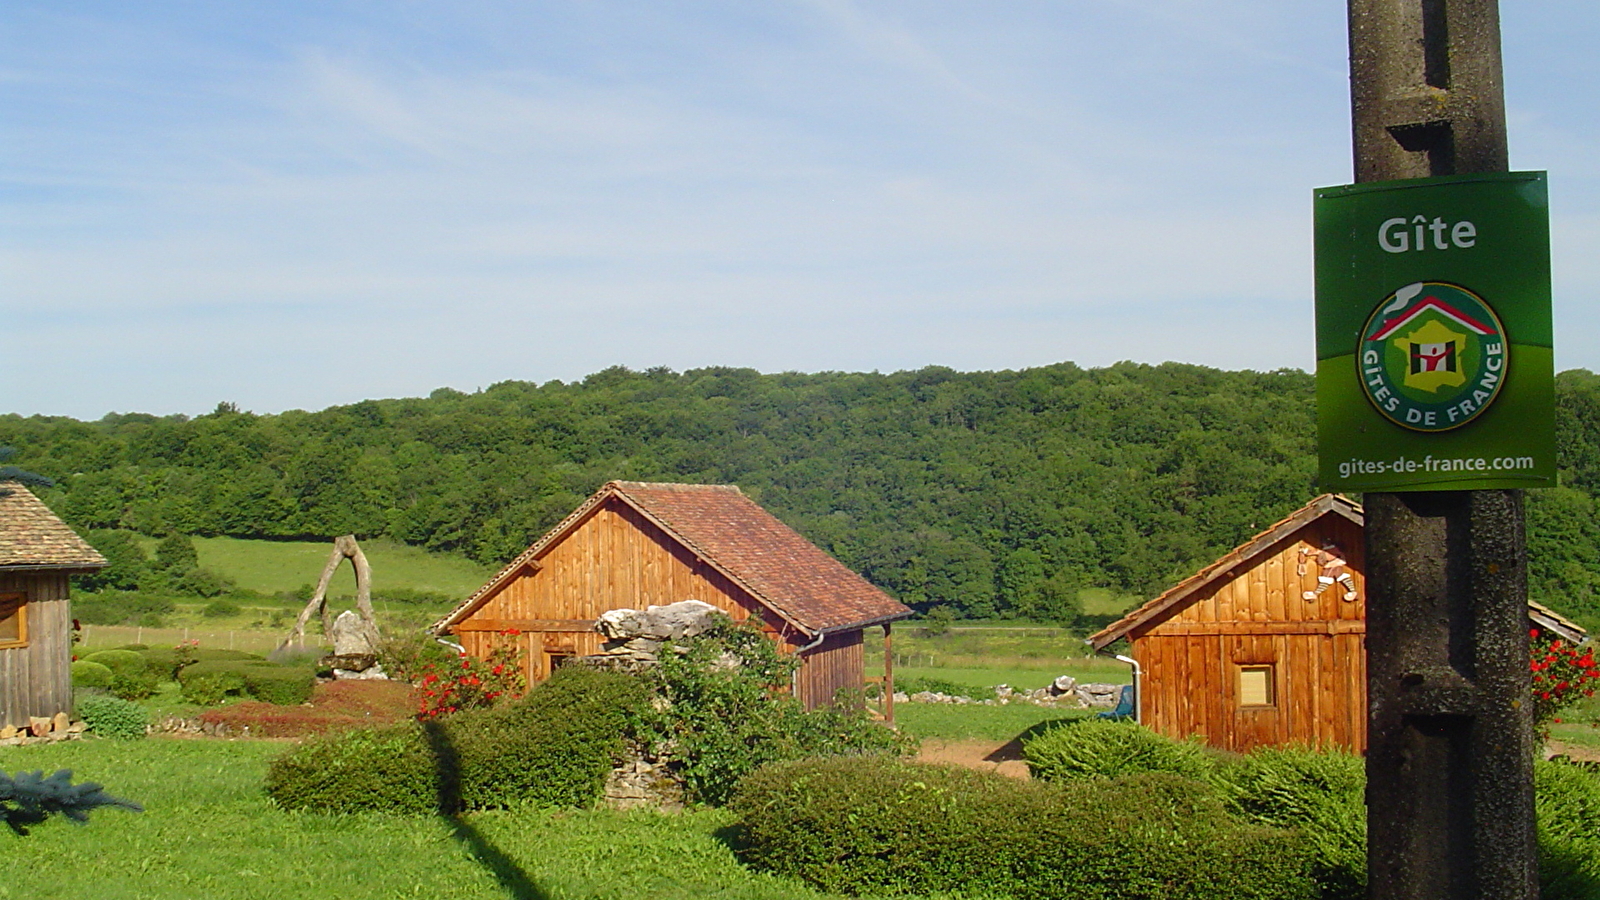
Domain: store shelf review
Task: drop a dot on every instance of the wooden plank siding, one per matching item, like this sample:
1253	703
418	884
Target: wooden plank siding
617	558
1255	616
36	679
838	664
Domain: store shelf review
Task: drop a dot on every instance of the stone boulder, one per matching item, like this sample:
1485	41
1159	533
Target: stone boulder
640	634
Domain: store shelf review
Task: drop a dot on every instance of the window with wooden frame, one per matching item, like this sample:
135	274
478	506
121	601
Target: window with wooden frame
1256	686
13	620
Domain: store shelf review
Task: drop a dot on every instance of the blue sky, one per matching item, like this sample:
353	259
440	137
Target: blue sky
292	205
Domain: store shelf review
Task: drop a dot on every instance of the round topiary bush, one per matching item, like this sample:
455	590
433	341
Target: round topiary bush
122	662
1103	748
91	674
113	717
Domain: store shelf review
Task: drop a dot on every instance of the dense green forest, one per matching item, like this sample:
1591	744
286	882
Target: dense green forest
990	493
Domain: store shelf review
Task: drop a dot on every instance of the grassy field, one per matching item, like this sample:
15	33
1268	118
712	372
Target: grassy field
208	832
271	567
982	656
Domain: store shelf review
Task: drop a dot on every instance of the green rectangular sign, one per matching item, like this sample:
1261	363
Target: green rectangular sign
1435	369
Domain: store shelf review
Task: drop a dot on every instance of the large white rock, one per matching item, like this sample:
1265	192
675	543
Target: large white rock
674	621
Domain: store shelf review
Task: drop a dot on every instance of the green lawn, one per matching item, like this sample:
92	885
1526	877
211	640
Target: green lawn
274	566
209	832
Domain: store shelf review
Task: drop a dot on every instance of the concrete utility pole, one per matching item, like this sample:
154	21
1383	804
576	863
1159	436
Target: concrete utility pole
1450	735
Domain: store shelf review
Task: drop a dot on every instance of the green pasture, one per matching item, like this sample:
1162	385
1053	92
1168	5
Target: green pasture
272	567
208	831
982	655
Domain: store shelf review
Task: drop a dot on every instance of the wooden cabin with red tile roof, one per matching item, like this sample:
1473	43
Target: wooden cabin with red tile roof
37	554
1265	646
635	544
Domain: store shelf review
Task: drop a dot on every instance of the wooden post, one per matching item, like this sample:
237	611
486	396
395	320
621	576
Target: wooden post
888	674
1450	736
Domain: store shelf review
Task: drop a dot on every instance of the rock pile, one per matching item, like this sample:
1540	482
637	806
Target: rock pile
1062	693
355	651
41	730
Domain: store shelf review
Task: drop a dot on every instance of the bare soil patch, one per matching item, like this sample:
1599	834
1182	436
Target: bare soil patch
334	706
1002	757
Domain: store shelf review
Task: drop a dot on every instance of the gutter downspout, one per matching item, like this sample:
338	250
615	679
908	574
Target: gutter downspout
1138	684
1138	680
799	654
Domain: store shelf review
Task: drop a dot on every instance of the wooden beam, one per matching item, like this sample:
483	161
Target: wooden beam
1332	626
526	625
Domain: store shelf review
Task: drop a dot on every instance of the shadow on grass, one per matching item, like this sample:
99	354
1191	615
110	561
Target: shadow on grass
447	779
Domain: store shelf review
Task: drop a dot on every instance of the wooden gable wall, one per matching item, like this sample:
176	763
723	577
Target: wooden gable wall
1255	617
36	679
615	558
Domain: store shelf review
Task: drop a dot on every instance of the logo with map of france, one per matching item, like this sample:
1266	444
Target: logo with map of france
1432	357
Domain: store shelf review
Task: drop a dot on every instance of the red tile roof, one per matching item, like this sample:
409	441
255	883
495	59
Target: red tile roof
782	570
31	537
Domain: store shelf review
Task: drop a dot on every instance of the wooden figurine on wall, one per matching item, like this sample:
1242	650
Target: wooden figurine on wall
1330	560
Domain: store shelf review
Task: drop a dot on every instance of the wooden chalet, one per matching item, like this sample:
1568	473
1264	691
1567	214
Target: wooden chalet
635	544
1265	646
37	553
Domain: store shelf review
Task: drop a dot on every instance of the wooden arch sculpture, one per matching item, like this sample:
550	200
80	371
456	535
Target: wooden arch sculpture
344	547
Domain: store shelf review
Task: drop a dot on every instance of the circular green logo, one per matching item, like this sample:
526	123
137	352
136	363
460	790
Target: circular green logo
1432	356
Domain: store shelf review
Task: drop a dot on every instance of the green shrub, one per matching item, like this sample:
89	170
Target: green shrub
91	674
390	770
134	685
938	686
553	747
113	717
1567	798
717	722
220	609
122	662
885	826
1102	748
168	660
278	685
212	682
1322	793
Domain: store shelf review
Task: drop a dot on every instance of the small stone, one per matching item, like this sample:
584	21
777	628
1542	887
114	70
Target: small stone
60	722
38	726
8	732
77	728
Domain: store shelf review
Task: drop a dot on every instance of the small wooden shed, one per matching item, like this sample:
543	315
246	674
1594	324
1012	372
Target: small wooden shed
1266	646
637	544
37	553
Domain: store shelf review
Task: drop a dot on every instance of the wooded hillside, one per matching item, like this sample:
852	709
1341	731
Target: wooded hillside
989	492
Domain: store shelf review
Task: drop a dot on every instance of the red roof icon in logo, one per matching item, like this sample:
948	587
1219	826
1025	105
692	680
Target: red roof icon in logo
1422	306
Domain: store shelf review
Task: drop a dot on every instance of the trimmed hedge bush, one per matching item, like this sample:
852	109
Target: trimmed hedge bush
1322	793
553	747
113	717
210	683
122	662
278	685
1567	798
91	674
165	659
875	825
1103	748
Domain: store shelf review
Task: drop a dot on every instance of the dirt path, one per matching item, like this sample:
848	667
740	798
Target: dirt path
1576	752
1004	757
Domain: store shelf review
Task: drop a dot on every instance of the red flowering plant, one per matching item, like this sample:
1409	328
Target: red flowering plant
467	682
1563	674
